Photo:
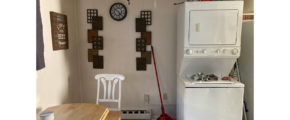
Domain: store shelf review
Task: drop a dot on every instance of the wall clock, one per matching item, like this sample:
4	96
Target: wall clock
118	11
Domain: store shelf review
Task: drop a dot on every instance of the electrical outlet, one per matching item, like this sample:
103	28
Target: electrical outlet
146	98
164	96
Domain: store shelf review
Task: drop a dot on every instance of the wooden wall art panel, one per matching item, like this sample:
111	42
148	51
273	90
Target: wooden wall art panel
59	31
91	53
92	33
141	45
146	55
98	42
141	63
140	25
147	36
97	23
98	62
90	14
148	16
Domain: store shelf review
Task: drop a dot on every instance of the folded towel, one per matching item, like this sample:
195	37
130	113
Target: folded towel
39	39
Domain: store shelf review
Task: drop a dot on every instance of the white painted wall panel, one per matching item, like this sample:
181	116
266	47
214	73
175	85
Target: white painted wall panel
120	54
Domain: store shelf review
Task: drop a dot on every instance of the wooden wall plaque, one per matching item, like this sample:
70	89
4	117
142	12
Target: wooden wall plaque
92	33
146	35
148	16
140	44
141	63
90	14
91	53
146	55
97	23
140	25
98	62
98	42
59	31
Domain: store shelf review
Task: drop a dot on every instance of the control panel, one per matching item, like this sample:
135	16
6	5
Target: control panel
212	51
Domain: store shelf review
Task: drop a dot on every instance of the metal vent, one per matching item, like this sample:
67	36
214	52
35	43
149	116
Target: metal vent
136	114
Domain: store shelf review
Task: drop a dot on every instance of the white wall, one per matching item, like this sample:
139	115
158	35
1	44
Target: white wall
248	6
246	65
120	54
58	82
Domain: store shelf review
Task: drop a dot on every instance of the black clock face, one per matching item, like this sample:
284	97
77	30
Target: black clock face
118	11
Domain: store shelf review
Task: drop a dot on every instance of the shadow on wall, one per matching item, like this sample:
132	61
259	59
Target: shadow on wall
71	54
58	83
37	110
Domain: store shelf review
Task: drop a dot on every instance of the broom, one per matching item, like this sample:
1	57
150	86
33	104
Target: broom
163	116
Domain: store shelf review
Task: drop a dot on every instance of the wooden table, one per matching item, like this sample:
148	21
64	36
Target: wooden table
78	111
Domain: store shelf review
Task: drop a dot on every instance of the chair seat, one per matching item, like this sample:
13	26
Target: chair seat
113	115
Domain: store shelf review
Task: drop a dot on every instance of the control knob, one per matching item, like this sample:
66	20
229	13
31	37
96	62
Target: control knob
217	51
224	51
203	51
188	51
234	51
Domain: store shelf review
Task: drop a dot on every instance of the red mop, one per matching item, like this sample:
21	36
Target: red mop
163	116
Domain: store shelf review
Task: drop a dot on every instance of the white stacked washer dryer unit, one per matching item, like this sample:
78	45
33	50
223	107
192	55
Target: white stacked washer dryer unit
209	41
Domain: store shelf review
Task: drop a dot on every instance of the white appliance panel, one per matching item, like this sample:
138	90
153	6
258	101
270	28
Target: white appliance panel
213	27
218	66
209	103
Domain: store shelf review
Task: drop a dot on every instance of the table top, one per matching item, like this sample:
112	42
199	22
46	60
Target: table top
78	111
114	115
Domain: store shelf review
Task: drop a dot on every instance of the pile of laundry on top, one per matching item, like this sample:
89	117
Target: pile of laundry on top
202	77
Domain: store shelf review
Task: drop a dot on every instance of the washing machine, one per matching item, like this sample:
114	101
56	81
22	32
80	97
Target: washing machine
208	42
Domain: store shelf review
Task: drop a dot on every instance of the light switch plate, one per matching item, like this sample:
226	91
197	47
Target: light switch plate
146	98
164	96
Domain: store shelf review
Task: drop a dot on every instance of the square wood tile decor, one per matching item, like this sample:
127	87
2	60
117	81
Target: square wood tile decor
148	16
90	14
97	42
146	55
97	23
98	62
147	36
91	54
92	33
140	25
140	44
141	63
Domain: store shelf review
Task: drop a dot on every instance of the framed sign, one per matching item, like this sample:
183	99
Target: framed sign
59	31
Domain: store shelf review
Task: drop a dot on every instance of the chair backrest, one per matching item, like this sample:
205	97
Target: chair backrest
109	77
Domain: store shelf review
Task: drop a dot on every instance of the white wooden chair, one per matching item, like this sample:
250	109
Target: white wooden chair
110	77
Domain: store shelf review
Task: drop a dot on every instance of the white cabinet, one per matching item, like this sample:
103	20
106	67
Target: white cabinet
213	27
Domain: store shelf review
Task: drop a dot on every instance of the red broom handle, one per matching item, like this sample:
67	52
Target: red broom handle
162	108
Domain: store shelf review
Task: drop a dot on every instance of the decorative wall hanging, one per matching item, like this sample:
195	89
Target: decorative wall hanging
140	44
141	63
98	42
91	53
97	23
92	33
147	36
148	16
59	31
98	62
90	14
140	25
146	55
118	11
